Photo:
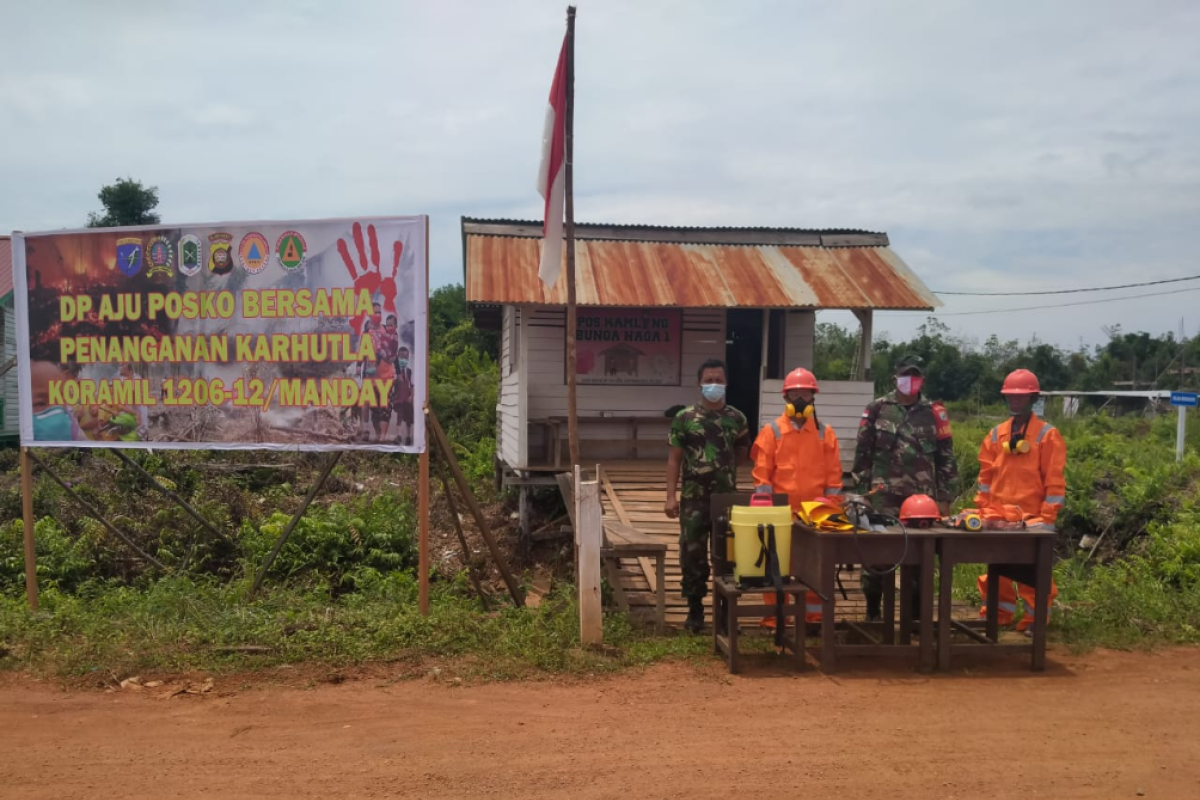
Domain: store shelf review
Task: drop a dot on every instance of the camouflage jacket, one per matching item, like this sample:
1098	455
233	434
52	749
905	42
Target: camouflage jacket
906	449
708	440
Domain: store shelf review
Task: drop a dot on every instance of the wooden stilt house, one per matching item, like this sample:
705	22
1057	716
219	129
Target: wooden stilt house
653	304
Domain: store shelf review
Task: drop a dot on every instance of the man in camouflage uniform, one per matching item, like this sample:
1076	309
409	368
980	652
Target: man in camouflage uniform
705	439
904	447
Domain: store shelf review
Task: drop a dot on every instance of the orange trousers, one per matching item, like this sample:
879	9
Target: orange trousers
1009	591
812	609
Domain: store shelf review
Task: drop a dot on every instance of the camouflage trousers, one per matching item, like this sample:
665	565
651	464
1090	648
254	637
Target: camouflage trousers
695	525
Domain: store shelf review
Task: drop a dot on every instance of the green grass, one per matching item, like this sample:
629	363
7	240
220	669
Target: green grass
177	625
342	591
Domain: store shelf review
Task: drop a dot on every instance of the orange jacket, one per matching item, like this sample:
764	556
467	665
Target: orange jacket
803	461
1033	481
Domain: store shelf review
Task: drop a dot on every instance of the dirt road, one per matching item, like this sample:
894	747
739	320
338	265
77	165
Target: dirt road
1105	725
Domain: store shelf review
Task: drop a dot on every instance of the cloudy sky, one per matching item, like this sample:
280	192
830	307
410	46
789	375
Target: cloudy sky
1003	147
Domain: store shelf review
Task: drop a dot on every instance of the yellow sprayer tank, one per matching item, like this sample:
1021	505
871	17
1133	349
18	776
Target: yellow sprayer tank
744	522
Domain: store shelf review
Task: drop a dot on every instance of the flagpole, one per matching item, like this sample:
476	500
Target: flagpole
569	125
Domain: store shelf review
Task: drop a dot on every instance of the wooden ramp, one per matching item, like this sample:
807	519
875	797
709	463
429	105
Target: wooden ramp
632	494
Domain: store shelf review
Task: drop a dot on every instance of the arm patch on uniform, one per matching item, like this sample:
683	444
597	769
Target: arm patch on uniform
942	420
862	423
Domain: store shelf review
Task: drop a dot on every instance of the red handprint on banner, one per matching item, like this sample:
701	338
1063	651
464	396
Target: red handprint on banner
367	275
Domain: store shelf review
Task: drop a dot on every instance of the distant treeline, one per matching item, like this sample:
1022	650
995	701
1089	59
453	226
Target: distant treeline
963	369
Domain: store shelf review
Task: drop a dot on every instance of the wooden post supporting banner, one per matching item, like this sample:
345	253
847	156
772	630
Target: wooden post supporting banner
287	532
423	565
31	587
1180	434
443	445
589	530
423	529
572	323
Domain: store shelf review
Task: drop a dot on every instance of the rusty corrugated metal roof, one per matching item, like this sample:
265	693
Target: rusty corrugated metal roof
638	265
6	264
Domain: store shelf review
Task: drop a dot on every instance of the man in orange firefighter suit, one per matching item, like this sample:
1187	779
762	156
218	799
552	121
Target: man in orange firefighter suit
797	455
1021	464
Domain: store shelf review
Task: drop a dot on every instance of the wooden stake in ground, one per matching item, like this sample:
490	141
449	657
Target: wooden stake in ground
31	587
569	125
589	530
423	530
94	514
193	513
443	445
462	539
287	532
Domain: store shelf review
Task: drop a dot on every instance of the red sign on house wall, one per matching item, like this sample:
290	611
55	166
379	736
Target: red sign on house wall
628	346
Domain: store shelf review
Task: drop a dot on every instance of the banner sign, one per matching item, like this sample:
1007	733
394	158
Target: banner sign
628	346
271	335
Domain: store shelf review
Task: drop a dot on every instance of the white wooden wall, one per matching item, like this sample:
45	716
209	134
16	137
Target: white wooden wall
545	381
533	386
840	405
511	408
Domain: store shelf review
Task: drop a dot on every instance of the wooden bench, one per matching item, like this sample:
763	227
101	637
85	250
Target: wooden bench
555	427
624	541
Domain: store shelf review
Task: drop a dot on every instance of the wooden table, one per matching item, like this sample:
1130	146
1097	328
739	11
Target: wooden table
1024	556
815	559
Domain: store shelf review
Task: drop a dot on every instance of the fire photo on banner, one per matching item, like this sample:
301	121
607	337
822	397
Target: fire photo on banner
279	335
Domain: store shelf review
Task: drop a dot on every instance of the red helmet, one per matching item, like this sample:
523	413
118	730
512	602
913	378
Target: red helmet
1021	381
800	378
919	506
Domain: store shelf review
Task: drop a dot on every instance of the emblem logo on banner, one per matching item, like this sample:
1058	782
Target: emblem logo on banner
189	254
220	259
254	252
158	252
129	256
290	250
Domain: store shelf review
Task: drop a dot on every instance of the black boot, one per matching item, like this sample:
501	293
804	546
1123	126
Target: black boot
874	607
695	617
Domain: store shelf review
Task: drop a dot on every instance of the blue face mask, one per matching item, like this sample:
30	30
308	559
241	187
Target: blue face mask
713	392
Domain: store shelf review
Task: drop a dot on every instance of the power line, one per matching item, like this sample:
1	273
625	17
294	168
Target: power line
1071	291
1054	305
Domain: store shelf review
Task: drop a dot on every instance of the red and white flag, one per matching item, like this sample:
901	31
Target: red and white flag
552	176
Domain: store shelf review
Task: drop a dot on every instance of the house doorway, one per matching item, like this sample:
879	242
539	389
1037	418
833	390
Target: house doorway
743	355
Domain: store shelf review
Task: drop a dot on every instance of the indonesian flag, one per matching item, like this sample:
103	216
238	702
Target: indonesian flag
551	175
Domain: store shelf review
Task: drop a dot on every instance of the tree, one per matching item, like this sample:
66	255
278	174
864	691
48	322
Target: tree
451	327
126	202
833	351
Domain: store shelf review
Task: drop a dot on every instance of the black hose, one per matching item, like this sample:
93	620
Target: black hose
866	514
